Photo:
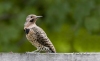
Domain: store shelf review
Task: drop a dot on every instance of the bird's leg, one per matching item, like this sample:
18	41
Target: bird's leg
36	51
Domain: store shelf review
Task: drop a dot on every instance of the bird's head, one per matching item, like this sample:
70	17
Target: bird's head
31	19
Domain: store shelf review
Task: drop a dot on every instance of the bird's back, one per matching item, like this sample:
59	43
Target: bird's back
42	39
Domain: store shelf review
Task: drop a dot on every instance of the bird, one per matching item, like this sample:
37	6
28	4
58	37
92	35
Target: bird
36	35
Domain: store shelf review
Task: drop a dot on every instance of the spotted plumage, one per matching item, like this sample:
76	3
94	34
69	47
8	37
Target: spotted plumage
37	36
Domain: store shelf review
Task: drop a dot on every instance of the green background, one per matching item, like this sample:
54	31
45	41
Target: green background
71	25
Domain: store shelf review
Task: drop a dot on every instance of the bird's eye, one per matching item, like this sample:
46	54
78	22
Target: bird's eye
31	20
31	16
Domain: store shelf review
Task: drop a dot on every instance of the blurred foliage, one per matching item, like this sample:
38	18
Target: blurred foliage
72	25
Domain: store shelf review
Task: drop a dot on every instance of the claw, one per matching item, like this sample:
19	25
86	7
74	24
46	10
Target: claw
36	51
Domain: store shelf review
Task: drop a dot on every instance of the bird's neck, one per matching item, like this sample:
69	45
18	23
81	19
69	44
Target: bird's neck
30	26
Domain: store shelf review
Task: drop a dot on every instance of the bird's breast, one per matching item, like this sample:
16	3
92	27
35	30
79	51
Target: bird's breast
27	31
30	35
32	38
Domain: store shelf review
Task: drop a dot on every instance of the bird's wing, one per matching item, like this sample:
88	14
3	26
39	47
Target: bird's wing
43	39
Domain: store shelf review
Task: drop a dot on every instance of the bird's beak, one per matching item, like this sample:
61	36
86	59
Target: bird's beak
38	16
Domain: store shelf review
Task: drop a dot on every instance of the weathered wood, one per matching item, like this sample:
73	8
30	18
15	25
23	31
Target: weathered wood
50	57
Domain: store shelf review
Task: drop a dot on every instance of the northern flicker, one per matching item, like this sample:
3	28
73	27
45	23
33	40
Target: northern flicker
37	36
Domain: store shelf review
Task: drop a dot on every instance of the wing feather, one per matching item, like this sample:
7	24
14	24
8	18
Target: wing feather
43	39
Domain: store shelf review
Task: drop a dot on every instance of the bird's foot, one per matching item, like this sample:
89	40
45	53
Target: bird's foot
36	51
29	52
